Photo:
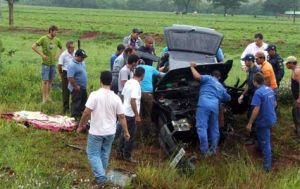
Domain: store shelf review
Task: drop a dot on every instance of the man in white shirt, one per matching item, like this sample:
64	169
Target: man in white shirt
63	62
126	72
102	105
253	48
132	102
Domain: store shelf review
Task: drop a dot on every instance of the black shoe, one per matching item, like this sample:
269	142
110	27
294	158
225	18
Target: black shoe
119	156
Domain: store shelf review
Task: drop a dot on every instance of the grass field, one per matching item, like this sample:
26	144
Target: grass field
32	158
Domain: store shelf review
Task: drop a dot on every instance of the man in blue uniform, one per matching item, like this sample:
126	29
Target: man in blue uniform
264	116
277	63
211	94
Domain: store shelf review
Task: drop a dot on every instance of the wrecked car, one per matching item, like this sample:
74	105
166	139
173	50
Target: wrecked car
176	94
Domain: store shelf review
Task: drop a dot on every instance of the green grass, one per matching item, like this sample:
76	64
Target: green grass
33	158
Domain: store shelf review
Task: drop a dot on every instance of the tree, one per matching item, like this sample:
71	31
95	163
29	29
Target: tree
279	6
11	11
185	4
227	4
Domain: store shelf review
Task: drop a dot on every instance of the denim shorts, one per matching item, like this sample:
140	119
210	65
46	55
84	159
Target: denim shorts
48	72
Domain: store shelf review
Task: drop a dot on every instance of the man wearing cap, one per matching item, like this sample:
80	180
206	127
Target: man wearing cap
276	61
291	63
267	70
77	77
253	48
249	91
134	40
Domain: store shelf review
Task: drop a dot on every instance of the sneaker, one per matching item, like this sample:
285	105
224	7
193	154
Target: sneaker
130	160
249	141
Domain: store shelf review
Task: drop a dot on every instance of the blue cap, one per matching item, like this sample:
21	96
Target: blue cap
249	57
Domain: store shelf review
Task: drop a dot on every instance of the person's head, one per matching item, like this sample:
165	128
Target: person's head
258	39
105	78
139	73
129	50
132	61
271	49
249	60
136	33
260	57
291	62
70	47
53	30
258	79
217	74
149	41
80	55
120	49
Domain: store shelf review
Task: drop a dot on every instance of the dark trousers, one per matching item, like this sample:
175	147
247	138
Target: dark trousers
125	147
65	92
146	111
296	118
78	103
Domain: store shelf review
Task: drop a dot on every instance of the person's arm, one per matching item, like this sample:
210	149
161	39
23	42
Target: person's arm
195	73
122	121
254	114
84	119
59	67
280	73
35	49
134	109
74	84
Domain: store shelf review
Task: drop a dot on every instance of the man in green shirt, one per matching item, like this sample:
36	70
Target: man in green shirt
50	45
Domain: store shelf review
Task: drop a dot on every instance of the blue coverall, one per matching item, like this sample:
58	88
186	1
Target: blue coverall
211	94
264	98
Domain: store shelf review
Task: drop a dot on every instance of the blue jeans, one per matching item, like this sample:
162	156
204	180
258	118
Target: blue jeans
98	151
264	145
48	72
207	127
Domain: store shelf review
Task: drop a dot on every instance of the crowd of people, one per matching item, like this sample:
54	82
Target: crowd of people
126	95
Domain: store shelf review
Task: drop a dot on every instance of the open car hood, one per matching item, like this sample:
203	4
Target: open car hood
194	39
185	74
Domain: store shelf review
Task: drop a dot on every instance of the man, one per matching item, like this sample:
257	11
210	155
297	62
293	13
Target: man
126	72
148	48
264	116
132	100
77	78
64	59
147	96
134	40
291	63
211	94
50	45
118	65
253	48
102	106
120	49
249	91
267	70
277	63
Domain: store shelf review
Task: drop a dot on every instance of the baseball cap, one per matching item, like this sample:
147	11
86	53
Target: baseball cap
81	53
137	30
271	47
290	59
249	57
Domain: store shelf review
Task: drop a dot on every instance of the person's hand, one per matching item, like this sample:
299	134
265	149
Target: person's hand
126	136
45	58
138	119
80	129
77	88
193	65
298	102
240	99
248	127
